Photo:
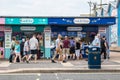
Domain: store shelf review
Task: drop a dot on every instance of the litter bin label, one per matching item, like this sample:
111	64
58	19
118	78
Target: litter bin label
94	49
95	57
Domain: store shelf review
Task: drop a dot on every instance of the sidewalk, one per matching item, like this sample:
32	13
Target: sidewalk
45	66
115	48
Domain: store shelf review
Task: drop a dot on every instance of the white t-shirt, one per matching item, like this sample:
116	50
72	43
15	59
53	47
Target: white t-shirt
26	46
57	43
33	42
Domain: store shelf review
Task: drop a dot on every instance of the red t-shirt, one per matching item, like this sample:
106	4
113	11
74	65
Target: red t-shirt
66	44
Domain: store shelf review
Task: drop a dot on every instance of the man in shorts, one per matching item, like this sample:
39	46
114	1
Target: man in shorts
33	43
66	45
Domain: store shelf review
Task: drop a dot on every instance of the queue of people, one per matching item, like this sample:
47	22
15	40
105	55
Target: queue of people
74	47
68	47
65	48
25	50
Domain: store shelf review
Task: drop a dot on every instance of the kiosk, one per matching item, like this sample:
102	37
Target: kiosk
83	27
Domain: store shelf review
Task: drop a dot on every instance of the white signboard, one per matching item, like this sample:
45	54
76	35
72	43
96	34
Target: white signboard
74	28
26	20
81	21
7	39
26	28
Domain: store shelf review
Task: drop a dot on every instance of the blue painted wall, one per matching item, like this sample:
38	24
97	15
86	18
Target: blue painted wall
109	14
119	24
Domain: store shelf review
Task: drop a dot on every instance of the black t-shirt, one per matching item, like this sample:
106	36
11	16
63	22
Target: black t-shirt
103	44
22	46
77	45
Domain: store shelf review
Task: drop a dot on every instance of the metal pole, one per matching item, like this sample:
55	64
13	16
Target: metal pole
90	7
101	3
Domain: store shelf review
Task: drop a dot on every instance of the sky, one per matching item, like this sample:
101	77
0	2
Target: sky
45	7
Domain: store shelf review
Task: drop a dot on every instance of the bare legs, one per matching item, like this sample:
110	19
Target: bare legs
17	55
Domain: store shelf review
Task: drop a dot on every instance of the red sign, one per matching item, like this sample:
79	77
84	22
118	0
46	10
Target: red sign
48	29
2	20
1	28
102	30
8	29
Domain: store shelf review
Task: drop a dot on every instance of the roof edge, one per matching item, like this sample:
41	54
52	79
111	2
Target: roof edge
52	17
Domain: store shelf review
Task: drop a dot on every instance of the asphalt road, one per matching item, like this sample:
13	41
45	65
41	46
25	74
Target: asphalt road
60	76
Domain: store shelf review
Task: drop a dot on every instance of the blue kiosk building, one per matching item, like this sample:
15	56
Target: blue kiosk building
49	27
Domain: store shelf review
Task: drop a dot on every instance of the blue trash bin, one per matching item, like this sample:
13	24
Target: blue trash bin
94	58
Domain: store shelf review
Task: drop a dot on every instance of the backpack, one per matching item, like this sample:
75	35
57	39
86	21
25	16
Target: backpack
107	44
13	46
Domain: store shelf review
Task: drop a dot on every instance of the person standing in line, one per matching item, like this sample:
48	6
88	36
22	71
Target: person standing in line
77	49
33	42
66	48
38	52
72	48
58	49
107	49
103	47
81	49
17	51
26	49
12	50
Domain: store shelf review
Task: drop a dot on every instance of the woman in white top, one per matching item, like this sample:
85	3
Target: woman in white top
26	49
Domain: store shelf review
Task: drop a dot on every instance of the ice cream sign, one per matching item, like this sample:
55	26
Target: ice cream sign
16	20
26	20
2	20
81	21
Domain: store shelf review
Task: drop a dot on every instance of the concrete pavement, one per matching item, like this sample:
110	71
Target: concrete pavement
60	76
45	66
115	48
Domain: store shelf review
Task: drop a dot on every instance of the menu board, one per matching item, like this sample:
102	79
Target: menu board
47	39
7	39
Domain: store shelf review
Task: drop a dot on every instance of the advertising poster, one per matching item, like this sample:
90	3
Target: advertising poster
7	39
47	32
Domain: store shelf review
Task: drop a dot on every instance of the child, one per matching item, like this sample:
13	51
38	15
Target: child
17	51
26	49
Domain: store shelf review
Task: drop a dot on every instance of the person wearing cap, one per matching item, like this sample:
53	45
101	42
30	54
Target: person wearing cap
103	47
